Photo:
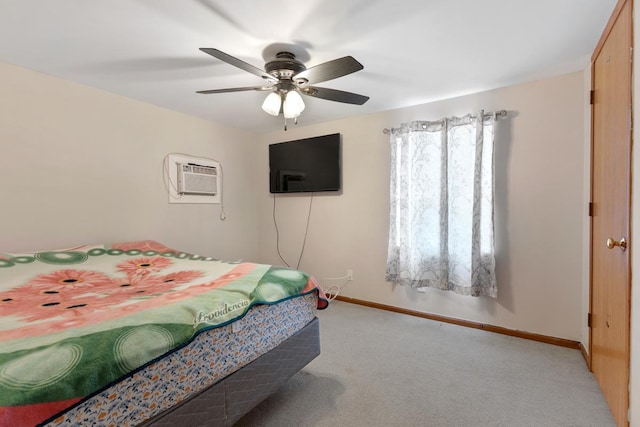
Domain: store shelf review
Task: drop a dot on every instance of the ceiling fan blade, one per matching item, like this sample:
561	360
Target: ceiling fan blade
327	71
234	89
334	95
238	63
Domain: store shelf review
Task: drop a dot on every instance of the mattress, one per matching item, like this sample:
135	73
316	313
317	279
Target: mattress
115	334
181	375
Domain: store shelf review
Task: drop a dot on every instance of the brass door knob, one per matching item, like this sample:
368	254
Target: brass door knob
622	244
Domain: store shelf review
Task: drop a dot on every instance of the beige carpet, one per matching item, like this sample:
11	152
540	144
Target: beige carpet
386	369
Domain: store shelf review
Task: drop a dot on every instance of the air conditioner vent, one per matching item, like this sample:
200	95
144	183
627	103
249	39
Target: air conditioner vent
197	179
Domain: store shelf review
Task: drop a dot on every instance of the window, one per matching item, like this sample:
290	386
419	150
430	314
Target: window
441	218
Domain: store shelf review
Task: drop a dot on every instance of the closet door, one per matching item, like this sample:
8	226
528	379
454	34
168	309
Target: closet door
610	192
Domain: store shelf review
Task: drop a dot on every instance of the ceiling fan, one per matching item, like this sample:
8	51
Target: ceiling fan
287	78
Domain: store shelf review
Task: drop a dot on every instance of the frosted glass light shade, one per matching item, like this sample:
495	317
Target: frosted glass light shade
271	104
293	105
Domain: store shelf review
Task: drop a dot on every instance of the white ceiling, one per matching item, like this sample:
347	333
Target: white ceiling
413	51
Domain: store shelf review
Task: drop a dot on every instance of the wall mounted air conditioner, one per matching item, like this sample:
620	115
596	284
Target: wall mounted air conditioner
197	179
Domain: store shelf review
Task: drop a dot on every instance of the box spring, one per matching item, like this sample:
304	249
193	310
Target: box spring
228	400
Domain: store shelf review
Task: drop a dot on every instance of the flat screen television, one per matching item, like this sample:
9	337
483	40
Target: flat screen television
305	165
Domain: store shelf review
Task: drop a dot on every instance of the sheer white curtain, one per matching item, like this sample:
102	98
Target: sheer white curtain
441	222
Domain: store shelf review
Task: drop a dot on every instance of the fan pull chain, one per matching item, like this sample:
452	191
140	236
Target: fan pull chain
295	122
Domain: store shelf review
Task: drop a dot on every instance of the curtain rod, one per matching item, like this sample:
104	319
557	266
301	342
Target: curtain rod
498	114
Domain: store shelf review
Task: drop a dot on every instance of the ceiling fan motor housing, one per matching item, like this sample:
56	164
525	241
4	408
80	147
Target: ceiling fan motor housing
284	66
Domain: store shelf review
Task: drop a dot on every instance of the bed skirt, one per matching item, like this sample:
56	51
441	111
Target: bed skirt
228	400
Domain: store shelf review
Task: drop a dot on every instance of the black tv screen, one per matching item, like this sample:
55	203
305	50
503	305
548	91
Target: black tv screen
305	165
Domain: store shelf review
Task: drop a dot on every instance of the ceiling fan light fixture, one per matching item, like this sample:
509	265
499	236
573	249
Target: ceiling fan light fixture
293	105
272	103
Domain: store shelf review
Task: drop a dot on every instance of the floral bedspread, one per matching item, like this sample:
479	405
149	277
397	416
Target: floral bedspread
73	322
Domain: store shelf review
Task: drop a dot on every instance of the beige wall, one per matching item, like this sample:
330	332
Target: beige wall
79	165
539	210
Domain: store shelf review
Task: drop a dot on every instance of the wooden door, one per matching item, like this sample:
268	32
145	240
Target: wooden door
610	192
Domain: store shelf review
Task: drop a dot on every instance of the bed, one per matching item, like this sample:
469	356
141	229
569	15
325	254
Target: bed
138	333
